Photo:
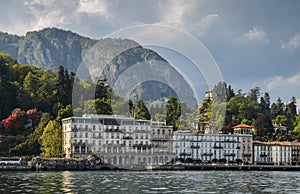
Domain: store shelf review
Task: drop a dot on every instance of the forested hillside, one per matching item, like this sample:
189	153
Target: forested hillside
257	110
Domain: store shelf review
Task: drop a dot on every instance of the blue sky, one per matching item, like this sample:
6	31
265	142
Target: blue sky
255	43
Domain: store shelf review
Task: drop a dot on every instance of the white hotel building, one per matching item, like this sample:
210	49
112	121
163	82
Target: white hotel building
273	153
119	140
207	147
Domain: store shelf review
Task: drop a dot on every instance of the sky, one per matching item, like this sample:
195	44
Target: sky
254	43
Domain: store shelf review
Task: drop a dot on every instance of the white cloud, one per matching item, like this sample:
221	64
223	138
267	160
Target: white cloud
257	35
280	81
93	7
187	16
205	23
50	19
174	13
293	43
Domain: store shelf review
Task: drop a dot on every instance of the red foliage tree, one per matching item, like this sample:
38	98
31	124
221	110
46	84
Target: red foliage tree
18	119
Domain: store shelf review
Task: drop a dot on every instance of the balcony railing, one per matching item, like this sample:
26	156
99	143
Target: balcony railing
263	155
127	137
246	155
141	146
114	130
230	154
185	154
195	146
207	154
161	138
218	147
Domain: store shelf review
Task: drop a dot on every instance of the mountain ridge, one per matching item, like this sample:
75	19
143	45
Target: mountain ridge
51	47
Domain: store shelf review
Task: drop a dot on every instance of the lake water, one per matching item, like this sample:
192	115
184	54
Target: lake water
150	182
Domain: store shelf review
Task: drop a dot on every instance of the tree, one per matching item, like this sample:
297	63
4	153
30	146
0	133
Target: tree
102	91
291	112
103	106
64	113
280	120
31	146
254	94
173	112
277	108
230	93
264	128
8	90
15	122
142	111
51	140
294	135
265	104
131	107
220	93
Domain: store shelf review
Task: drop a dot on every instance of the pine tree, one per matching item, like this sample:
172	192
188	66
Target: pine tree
173	112
51	140
142	111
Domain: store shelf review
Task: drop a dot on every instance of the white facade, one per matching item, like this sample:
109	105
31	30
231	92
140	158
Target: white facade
119	140
207	147
273	153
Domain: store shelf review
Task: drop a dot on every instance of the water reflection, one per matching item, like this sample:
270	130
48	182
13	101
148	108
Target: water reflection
66	182
150	182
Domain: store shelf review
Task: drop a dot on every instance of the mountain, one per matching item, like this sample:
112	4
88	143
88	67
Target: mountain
148	75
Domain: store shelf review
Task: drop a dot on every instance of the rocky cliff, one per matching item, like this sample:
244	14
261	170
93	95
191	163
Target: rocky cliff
117	60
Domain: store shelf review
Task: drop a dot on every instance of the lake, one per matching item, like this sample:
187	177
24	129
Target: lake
150	182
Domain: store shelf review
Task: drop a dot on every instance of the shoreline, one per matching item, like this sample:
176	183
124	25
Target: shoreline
161	168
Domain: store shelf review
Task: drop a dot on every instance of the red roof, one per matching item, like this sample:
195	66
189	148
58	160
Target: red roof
243	126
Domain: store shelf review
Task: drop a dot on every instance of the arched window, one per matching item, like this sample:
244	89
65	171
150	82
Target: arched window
163	131
158	131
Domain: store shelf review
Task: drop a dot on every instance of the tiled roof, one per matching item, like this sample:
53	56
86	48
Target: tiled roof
243	126
280	143
279	126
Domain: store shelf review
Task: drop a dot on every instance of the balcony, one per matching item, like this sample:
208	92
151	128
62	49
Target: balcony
246	155
263	155
143	146
75	129
195	146
218	147
160	138
207	154
114	130
230	154
185	154
127	137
